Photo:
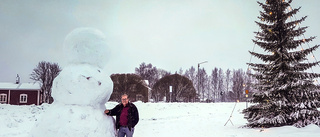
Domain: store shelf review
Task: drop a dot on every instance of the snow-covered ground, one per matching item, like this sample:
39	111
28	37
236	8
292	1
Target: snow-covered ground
164	120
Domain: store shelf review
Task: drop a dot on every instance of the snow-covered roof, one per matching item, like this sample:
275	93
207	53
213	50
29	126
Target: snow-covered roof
147	82
21	86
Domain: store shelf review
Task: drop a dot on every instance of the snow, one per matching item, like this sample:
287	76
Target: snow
157	120
11	86
80	91
74	121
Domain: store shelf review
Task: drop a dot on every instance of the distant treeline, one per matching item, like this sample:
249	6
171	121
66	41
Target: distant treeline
218	86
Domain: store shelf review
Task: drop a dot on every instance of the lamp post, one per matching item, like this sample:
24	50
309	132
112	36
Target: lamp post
199	76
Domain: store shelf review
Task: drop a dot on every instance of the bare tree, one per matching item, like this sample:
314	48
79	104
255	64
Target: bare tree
131	84
248	82
220	85
147	72
238	83
228	83
192	75
161	73
182	89
214	82
180	71
45	73
203	82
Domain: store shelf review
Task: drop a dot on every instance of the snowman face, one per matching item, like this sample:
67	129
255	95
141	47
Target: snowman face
82	84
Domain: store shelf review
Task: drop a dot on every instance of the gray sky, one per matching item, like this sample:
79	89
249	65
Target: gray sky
170	34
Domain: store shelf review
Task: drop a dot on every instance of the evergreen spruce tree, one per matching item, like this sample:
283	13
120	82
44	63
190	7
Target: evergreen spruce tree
287	94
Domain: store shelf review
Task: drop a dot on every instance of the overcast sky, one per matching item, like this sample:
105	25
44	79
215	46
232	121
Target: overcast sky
170	34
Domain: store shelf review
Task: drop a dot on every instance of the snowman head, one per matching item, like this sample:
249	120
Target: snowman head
86	46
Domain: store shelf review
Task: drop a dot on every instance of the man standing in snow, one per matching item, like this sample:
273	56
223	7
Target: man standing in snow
127	116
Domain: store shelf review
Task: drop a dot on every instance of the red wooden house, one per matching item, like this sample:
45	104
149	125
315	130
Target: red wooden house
20	94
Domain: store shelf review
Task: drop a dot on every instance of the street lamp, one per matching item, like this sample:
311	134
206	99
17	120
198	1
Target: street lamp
199	76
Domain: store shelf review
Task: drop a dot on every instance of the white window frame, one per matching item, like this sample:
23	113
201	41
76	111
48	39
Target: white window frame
23	98
3	98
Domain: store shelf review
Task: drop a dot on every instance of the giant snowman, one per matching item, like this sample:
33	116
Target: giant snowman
80	91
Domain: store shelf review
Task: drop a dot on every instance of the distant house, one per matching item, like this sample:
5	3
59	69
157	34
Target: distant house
149	89
20	93
145	93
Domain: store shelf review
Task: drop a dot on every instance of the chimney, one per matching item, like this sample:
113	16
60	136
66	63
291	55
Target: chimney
17	79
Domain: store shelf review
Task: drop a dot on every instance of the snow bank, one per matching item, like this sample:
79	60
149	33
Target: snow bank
162	120
18	120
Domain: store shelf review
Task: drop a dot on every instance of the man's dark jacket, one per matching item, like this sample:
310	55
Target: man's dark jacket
133	114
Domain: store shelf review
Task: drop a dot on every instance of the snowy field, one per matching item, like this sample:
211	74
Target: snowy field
164	120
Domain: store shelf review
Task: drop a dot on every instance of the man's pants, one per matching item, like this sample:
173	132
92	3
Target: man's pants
125	131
